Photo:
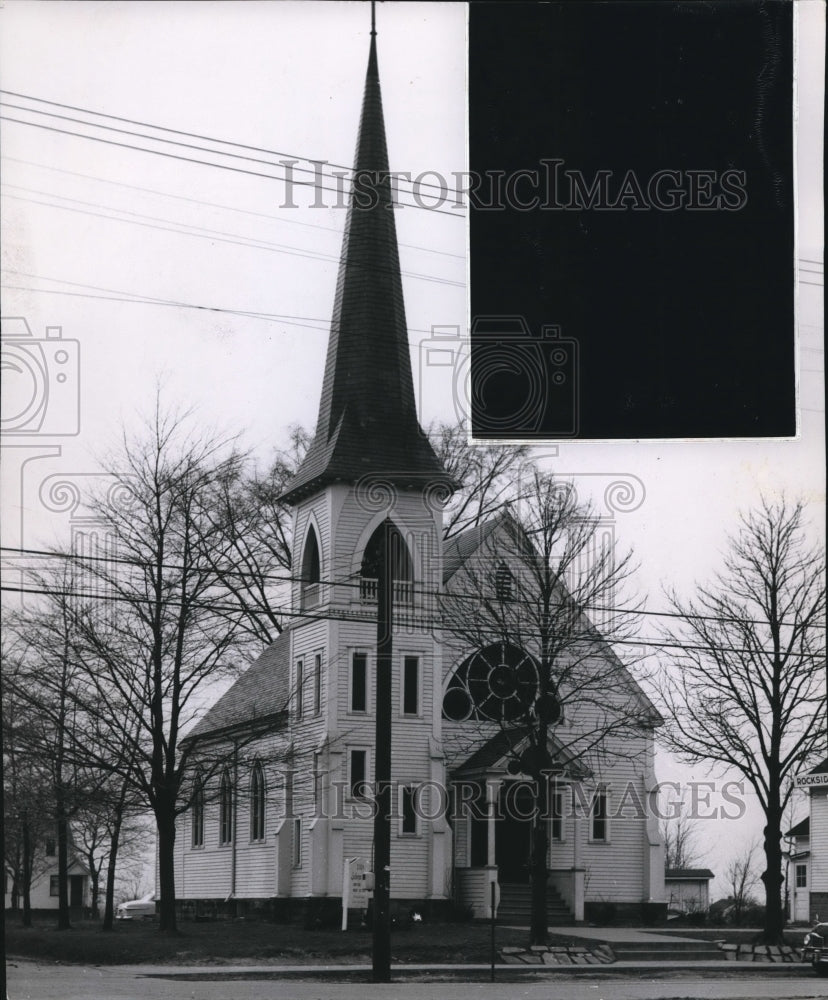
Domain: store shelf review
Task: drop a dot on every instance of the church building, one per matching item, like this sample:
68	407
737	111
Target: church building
282	802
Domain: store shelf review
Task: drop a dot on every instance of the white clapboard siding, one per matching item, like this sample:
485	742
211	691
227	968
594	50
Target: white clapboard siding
819	841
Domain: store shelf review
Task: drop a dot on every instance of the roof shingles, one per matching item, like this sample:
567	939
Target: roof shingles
263	690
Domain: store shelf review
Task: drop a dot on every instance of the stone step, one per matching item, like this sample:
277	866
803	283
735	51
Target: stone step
677	944
646	953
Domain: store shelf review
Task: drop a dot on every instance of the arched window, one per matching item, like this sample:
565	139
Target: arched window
498	683
197	811
257	803
402	570
310	570
225	808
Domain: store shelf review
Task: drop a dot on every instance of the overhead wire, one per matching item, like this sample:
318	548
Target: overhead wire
212	204
172	131
355	582
225	238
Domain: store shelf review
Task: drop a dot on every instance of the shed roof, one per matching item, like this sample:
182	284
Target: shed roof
688	874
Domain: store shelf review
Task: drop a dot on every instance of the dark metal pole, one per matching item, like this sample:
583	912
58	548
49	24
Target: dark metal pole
382	767
492	884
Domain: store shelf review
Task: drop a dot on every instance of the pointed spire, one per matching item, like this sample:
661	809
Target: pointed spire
367	422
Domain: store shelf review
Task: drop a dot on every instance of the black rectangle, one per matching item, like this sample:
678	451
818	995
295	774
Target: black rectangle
634	198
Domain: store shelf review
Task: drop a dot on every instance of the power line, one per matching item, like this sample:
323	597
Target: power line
212	204
289	319
171	131
207	163
406	621
357	583
253	244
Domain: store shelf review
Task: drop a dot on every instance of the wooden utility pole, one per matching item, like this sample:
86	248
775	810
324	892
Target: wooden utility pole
382	767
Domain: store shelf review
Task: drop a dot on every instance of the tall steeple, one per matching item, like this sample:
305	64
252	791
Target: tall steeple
367	422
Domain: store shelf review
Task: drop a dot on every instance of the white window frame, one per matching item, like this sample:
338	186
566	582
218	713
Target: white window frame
259	800
419	658
366	777
227	809
197	809
296	845
318	701
604	792
402	789
560	795
299	683
803	869
351	709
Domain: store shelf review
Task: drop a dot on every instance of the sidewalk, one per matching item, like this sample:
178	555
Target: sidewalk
196	972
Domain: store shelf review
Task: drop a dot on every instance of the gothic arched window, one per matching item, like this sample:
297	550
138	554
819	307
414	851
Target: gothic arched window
402	569
310	570
225	808
197	811
257	803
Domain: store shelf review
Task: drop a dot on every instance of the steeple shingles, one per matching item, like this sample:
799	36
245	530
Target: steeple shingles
367	422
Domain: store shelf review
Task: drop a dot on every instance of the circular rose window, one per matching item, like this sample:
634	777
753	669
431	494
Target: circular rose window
499	682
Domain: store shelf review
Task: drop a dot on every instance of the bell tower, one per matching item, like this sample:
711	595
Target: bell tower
369	462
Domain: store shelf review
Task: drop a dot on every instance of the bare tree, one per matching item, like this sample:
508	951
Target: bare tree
747	690
252	553
171	627
28	815
679	834
536	577
740	878
110	829
47	681
485	475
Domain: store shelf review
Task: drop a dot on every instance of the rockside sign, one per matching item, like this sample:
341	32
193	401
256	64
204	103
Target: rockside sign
811	780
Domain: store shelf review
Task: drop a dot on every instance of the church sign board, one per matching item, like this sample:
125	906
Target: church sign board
355	886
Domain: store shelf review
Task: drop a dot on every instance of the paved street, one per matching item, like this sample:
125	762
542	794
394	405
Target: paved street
32	981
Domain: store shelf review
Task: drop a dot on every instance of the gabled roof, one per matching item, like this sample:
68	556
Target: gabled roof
506	745
820	768
688	874
367	424
261	692
458	548
802	828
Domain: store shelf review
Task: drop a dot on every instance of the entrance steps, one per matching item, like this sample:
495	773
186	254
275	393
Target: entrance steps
678	950
516	906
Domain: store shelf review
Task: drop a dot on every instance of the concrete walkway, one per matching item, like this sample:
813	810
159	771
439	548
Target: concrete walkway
610	934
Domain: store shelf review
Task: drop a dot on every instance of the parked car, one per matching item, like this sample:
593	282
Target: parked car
815	949
137	909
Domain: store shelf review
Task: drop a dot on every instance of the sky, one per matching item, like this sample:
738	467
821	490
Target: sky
93	230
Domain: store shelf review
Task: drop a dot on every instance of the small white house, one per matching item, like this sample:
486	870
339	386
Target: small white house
44	889
688	889
799	874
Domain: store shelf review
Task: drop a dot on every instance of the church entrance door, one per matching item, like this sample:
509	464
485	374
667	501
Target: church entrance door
513	833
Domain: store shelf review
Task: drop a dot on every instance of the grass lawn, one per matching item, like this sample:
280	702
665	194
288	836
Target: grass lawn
250	942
